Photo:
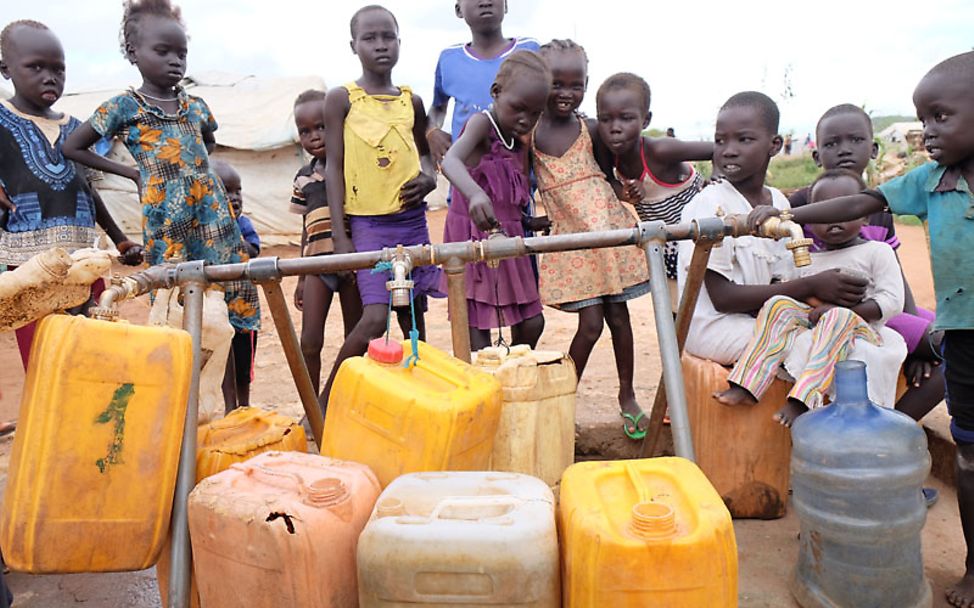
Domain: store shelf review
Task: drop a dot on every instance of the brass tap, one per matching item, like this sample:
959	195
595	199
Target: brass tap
782	226
400	285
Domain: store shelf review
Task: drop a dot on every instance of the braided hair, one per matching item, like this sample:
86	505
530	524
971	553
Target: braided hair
135	10
563	46
523	62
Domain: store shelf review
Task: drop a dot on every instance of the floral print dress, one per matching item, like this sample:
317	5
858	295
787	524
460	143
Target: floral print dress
185	212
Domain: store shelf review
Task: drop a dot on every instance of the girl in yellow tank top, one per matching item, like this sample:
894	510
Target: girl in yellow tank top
378	174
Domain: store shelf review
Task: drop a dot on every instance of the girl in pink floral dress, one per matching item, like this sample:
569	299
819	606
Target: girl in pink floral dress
595	283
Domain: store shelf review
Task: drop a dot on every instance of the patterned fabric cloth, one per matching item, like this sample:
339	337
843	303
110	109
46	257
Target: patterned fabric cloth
380	150
665	202
55	207
184	206
510	289
310	200
577	198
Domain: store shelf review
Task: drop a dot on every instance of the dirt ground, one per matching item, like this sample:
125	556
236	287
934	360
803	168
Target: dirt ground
767	549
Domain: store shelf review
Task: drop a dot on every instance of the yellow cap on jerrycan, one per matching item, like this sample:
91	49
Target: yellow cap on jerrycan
650	532
435	414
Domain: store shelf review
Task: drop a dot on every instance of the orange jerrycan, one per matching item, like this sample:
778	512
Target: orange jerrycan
244	433
638	533
437	414
94	462
536	434
460	540
280	530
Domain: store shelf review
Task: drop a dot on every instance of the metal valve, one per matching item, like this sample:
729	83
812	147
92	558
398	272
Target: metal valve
400	286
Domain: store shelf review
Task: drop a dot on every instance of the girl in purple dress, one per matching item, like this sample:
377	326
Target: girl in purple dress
488	167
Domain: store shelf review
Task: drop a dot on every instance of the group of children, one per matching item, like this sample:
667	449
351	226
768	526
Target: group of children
518	138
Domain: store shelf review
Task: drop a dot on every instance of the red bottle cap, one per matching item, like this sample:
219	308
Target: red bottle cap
385	352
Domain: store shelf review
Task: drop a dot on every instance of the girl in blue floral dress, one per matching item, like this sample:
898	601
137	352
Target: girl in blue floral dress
185	211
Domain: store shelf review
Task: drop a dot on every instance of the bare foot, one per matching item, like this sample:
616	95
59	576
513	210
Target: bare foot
961	595
735	395
635	418
792	409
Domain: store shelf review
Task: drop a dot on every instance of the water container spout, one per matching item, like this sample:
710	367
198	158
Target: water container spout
653	520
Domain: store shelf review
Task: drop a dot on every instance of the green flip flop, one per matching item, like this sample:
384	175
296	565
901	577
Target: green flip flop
634	421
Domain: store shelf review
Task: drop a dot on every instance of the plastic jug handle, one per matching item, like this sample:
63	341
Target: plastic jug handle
324	492
447	377
279	479
471	502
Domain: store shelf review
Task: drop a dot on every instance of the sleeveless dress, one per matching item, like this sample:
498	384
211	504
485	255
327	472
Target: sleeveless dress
665	201
577	198
512	286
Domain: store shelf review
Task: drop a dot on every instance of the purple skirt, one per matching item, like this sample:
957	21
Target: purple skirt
374	232
912	327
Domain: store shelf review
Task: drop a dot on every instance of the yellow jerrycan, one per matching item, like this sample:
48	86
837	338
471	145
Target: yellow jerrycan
436	414
536	435
245	432
94	461
638	533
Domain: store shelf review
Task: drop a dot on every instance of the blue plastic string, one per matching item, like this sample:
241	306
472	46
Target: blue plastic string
412	359
386	267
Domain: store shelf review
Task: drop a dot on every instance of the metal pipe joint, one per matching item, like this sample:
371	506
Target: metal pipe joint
782	226
401	285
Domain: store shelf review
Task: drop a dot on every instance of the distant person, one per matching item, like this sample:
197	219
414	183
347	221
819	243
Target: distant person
314	293
384	202
45	201
243	347
788	144
670	132
169	133
940	193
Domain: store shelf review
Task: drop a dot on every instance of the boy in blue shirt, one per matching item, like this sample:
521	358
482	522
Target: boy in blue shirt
465	72
940	193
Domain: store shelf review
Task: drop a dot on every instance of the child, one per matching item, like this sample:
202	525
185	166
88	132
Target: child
465	72
807	341
313	295
845	137
243	348
45	201
940	193
168	132
744	272
378	173
488	166
653	172
595	283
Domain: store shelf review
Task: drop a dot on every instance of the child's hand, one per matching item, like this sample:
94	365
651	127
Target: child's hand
536	224
918	370
344	245
759	215
817	312
439	142
482	212
414	191
131	252
6	203
633	191
299	294
838	288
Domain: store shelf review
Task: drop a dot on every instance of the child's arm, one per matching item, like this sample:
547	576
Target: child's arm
209	139
841	209
632	191
336	109
415	190
674	151
76	147
439	140
131	251
869	310
830	286
480	207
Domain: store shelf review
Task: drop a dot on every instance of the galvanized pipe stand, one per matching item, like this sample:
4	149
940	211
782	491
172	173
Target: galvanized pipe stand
193	278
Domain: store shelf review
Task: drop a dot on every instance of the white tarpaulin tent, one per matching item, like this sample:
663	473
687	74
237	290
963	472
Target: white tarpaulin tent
898	132
256	135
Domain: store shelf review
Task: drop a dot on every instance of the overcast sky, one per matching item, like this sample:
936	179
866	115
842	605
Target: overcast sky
693	54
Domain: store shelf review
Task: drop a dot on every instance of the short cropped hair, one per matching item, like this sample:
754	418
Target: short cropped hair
308	96
766	108
958	66
831	174
353	24
8	31
844	109
626	81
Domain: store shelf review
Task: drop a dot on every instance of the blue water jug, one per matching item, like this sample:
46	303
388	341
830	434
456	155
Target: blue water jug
857	470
